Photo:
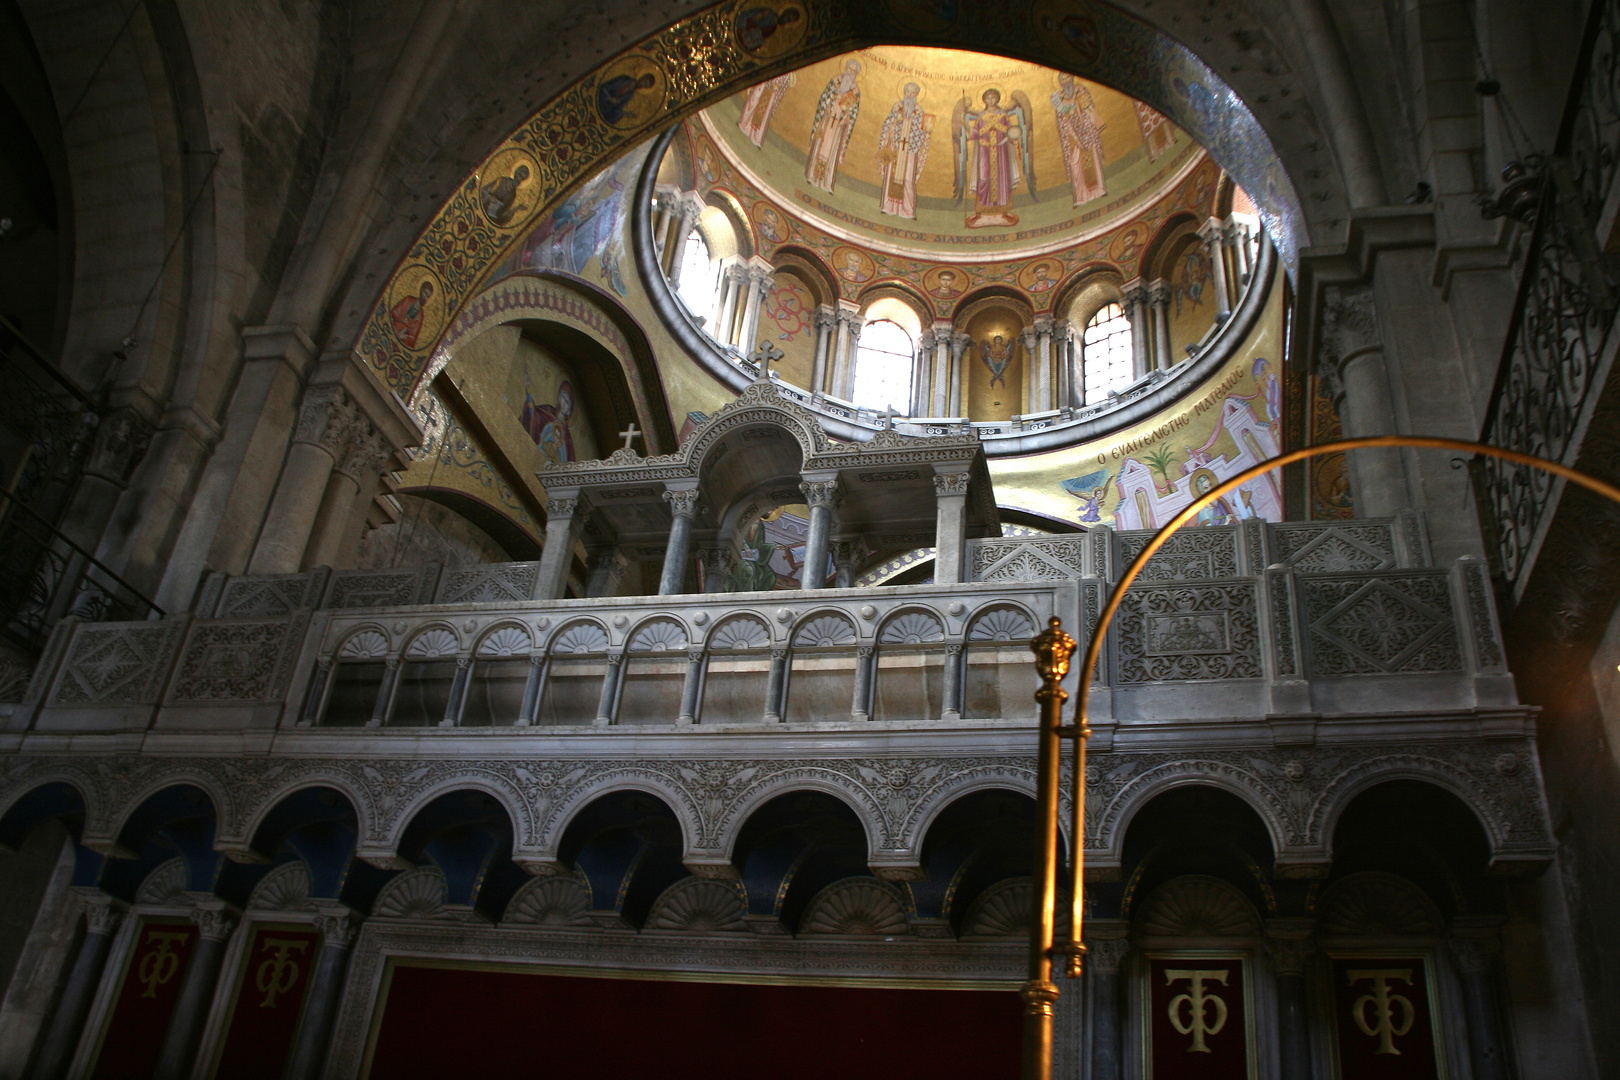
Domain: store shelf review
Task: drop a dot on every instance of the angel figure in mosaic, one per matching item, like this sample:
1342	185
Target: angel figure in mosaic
997	354
993	156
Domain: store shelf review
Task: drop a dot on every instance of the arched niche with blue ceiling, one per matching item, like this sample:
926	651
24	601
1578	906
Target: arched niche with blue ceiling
626	848
319	825
58	802
980	839
1201	830
179	821
467	834
792	847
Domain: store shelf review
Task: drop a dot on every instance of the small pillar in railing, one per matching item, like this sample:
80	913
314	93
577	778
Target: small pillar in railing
529	711
1159	303
860	707
315	696
608	703
775	685
951	698
683	505
822	495
692	688
385	693
844	556
458	692
950	531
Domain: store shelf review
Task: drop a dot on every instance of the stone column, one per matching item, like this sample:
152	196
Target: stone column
121	439
714	568
1289	944
685	216
844	555
733	280
951	703
843	361
1212	233
325	423
924	372
683	503
1352	355
692	688
1031	394
826	320
1104	958
663	207
1237	239
338	926
950	498
565	519
215	923
102	914
1133	297
1159	302
959	344
759	283
1474	955
1045	383
1063	363
939	391
823	497
604	571
358	465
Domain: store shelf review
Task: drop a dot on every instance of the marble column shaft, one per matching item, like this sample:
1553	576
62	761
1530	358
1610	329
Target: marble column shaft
325	423
1159	302
1134	299
826	321
959	344
950	497
196	991
337	925
565	519
1212	233
822	495
102	915
682	505
1352	356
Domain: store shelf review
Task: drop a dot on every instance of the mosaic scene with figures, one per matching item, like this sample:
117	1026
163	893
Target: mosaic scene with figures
538	530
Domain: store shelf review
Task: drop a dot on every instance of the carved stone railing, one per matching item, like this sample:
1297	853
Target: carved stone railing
1278	623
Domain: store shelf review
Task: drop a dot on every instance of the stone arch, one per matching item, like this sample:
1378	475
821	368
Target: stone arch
431	639
810	268
344	783
363	649
765	409
724	832
89	796
1493	814
556	818
210	784
501	788
550	304
1182	86
957	786
903	291
1105	830
1153	263
1085	292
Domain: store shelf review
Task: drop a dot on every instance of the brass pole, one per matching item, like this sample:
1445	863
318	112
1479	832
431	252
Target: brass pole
1040	992
1052	650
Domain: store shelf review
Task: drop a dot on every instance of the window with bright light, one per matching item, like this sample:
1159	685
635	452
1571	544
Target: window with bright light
1106	353
700	277
883	367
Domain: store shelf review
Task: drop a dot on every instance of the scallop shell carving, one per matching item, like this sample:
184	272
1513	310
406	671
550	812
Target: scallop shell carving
286	888
697	904
912	628
1198	906
415	894
1373	904
507	641
659	635
744	632
826	630
859	906
558	900
366	645
1002	910
581	638
1002	624
166	885
433	645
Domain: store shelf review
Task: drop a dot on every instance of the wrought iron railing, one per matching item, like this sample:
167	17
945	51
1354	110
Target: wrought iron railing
45	576
1560	341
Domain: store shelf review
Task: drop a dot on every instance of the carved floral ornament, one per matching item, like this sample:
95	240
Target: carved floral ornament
707	56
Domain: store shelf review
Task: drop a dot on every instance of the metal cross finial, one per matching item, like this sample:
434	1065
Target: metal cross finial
766	355
630	434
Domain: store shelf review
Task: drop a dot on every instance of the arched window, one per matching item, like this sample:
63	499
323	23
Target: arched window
883	367
699	276
1106	353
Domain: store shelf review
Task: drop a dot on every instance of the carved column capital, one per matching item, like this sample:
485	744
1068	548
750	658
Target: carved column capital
102	912
959	343
1027	335
1134	292
1290	945
120	443
1158	293
826	317
338	925
365	454
1043	324
1105	956
1349	324
927	341
567	507
215	920
822	493
682	503
1473	954
845	551
1212	231
326	417
951	483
